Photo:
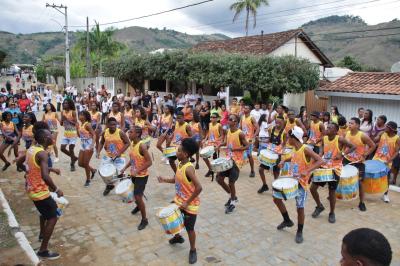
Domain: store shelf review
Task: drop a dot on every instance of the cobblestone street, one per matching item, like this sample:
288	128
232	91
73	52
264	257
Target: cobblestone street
97	230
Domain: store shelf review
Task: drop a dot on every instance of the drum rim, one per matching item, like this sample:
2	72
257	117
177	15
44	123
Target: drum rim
285	179
123	182
172	209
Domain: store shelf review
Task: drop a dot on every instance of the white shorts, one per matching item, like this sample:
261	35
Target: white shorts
68	141
119	162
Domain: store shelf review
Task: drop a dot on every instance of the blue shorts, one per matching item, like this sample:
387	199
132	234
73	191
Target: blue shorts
68	141
86	144
249	151
301	198
197	138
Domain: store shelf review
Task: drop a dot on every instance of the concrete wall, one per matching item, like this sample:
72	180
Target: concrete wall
289	48
109	82
294	100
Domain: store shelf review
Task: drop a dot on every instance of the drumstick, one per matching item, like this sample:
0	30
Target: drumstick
152	155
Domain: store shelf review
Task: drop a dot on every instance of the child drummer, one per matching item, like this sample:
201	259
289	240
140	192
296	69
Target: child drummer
188	188
332	145
276	142
214	138
303	162
140	161
237	144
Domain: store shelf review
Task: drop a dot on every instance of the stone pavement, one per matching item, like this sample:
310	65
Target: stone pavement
97	230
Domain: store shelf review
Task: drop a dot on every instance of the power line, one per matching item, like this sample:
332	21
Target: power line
149	15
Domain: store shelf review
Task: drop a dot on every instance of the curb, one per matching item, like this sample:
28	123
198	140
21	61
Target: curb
20	236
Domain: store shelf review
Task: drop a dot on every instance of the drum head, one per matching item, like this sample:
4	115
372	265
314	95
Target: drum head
283	183
59	200
123	186
167	211
207	149
375	167
107	170
218	161
349	171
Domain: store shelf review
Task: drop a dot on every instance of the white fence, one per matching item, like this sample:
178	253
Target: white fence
110	83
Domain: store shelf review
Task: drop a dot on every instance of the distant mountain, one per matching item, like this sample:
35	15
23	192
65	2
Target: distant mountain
380	52
26	48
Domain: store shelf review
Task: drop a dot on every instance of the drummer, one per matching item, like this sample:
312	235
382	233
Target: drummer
187	188
143	123
357	158
213	138
115	143
303	162
332	145
250	129
316	132
236	143
140	161
388	149
197	135
278	141
181	131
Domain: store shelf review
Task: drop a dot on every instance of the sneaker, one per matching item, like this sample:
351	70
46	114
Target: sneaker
73	168
362	207
135	210
317	211
192	257
299	237
177	239
229	201
192	160
93	173
209	173
385	198
285	224
197	167
263	189
6	165
143	224
332	218
87	183
56	160
167	162
230	208
106	191
48	255
252	174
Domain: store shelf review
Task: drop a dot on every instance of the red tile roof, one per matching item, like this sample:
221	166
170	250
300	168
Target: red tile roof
260	44
366	82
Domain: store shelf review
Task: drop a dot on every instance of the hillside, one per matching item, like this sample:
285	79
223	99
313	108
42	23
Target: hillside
26	48
380	52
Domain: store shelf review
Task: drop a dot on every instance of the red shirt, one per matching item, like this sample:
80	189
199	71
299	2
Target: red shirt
224	118
23	104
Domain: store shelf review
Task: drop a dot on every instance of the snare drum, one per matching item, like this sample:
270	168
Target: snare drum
62	203
171	219
268	158
221	165
107	171
323	175
347	188
207	152
285	188
375	180
125	190
169	151
287	153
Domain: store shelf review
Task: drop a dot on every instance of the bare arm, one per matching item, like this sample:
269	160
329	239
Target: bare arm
371	145
100	147
315	159
42	160
244	142
257	127
126	141
190	174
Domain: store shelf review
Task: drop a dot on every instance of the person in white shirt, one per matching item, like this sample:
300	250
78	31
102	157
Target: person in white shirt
48	92
221	95
74	92
191	98
59	100
256	112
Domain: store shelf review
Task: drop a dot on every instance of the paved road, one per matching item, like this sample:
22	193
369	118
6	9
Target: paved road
97	230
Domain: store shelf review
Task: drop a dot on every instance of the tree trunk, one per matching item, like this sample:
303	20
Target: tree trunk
247	21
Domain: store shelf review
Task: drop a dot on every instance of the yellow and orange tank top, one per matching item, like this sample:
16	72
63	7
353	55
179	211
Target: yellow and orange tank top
69	127
187	114
299	164
342	131
331	151
34	183
166	121
386	148
137	160
290	125
128	115
7	129
117	116
184	189
247	127
51	119
195	127
95	117
113	143
142	124
315	133
360	146
27	133
214	136
83	132
180	133
233	142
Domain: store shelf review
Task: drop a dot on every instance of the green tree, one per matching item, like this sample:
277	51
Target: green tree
250	6
351	63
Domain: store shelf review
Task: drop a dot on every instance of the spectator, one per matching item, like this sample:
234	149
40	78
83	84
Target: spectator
205	115
366	122
334	114
360	113
23	103
256	112
221	95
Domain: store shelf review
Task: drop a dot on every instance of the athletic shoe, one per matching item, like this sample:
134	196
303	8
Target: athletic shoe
252	174
192	160
229	201
6	165
106	191
56	159
192	257
362	207
73	168
135	210
48	255
209	173
317	211
87	183
285	224
93	173
332	218
230	209
299	237
263	189
143	224
177	239
385	198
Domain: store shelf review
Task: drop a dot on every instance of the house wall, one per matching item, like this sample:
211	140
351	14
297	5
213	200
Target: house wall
348	107
289	48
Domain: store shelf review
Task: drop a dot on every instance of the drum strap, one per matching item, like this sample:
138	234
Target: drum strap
280	191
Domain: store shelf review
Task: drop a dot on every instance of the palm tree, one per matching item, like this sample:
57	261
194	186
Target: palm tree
250	6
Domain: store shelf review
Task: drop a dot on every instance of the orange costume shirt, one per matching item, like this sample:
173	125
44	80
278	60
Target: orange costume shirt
137	160
35	186
184	188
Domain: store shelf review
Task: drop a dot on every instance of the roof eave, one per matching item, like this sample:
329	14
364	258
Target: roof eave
314	48
325	93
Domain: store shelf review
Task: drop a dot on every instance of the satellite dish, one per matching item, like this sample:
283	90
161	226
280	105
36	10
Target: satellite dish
395	67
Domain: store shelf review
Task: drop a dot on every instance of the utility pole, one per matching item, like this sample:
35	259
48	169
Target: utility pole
67	71
88	70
